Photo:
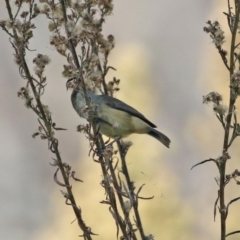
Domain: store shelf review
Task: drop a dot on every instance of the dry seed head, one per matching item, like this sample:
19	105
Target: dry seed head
95	77
220	109
46	110
110	86
24	14
51	26
45	9
57	12
77	29
212	97
216	33
235	78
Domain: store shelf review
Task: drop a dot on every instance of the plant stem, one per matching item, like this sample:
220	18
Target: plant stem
222	166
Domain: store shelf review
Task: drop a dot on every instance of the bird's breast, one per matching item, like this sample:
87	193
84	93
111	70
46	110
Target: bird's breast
117	123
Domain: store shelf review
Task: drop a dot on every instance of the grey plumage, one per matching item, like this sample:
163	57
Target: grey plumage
114	117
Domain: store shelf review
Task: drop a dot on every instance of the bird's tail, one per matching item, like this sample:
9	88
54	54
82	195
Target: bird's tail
160	137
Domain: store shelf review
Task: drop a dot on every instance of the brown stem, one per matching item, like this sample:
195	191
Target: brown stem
100	146
47	123
131	192
222	166
118	189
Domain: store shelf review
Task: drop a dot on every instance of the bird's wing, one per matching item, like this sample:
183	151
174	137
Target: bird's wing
119	105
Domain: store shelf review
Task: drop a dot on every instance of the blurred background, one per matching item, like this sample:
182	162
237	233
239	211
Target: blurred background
166	63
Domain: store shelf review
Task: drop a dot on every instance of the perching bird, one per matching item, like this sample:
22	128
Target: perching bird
115	118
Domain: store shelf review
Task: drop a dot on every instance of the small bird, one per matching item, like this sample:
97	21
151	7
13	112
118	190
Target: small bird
114	118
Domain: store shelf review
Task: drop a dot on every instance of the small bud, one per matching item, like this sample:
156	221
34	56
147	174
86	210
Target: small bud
24	14
127	206
110	38
35	134
220	109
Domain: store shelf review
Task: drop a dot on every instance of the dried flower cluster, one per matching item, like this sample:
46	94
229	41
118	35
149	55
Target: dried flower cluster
212	97
77	25
226	116
216	33
112	86
234	176
235	84
40	62
24	94
21	30
216	99
83	24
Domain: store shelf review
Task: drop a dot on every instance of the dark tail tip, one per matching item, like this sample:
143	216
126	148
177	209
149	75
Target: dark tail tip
160	137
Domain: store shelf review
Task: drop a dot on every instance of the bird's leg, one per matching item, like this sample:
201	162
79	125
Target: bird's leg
116	139
108	145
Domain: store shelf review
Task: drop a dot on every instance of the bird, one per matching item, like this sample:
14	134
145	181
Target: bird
114	118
